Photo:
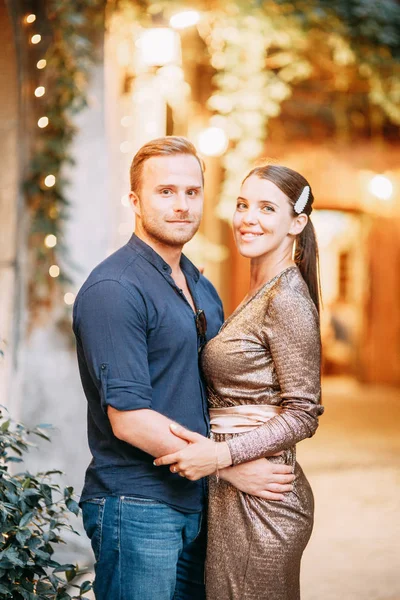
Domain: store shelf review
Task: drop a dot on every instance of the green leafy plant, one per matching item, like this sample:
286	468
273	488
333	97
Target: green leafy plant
34	511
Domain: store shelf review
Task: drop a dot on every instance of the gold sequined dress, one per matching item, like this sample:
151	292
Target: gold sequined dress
267	352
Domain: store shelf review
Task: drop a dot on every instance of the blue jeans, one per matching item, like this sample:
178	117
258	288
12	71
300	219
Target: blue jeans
145	550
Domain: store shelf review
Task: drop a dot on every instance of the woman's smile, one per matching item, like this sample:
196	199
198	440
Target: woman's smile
249	236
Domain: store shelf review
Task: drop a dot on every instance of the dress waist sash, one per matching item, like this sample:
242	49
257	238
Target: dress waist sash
238	419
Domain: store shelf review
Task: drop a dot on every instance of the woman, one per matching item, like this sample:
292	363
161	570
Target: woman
263	373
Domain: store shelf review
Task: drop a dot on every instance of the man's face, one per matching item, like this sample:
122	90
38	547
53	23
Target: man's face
170	202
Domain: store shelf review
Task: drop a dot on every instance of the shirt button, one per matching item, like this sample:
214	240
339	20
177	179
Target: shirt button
165	267
103	367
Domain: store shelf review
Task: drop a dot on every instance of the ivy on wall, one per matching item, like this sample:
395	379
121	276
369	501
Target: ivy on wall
58	88
239	35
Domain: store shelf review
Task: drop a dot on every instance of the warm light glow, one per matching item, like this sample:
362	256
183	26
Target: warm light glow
127	121
40	91
43	122
186	18
69	298
41	63
49	180
381	187
50	241
54	271
125	147
213	141
30	18
125	200
159	46
35	39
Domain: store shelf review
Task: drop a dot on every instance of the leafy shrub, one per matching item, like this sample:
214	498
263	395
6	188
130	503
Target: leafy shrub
33	514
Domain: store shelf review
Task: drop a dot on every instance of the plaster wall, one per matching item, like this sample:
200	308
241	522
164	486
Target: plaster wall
52	391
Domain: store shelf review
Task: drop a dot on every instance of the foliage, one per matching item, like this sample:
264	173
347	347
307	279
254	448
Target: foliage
72	28
33	514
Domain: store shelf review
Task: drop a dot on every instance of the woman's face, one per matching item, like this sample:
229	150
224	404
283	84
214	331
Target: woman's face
263	221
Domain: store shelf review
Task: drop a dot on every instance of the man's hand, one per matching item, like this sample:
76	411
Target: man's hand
199	458
261	478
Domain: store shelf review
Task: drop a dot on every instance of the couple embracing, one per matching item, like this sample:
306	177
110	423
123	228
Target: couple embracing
193	490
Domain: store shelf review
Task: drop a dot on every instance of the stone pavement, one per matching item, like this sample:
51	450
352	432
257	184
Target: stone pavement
353	465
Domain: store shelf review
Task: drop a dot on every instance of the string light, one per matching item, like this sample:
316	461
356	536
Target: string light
30	18
49	181
54	271
50	241
40	91
41	63
69	298
35	39
43	122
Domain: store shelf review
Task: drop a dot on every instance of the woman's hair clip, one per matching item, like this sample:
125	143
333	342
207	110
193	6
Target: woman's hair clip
302	200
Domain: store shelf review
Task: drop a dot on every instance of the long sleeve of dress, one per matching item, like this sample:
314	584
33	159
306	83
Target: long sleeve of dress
293	337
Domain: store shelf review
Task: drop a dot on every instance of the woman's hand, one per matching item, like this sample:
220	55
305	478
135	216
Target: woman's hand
200	458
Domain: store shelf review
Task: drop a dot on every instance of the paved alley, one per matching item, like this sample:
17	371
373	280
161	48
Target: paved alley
353	464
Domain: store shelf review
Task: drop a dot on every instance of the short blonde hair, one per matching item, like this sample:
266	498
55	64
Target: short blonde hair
164	146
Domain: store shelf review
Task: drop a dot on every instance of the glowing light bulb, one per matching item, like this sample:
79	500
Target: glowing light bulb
50	241
40	91
184	19
159	46
213	141
41	63
381	187
69	298
35	39
30	18
54	271
43	122
49	181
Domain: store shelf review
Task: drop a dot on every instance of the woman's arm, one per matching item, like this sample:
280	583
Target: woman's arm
292	333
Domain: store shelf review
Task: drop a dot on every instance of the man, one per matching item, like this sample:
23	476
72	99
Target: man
139	324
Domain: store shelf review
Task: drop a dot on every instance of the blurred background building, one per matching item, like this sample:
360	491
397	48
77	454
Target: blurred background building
86	83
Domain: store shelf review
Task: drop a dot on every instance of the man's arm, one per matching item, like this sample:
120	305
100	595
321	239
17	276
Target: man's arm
146	429
261	478
110	324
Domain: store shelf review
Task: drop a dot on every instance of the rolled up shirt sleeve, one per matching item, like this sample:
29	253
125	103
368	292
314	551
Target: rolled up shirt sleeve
110	324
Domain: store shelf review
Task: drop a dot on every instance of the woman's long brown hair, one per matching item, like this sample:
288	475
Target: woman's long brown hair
306	256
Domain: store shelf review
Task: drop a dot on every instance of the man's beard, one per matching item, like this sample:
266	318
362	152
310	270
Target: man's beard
159	230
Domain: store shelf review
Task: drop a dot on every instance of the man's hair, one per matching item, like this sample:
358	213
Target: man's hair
164	146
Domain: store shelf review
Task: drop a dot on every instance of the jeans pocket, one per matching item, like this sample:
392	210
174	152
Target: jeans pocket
139	500
92	514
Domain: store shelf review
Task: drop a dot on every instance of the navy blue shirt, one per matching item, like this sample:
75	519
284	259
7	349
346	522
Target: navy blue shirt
137	347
